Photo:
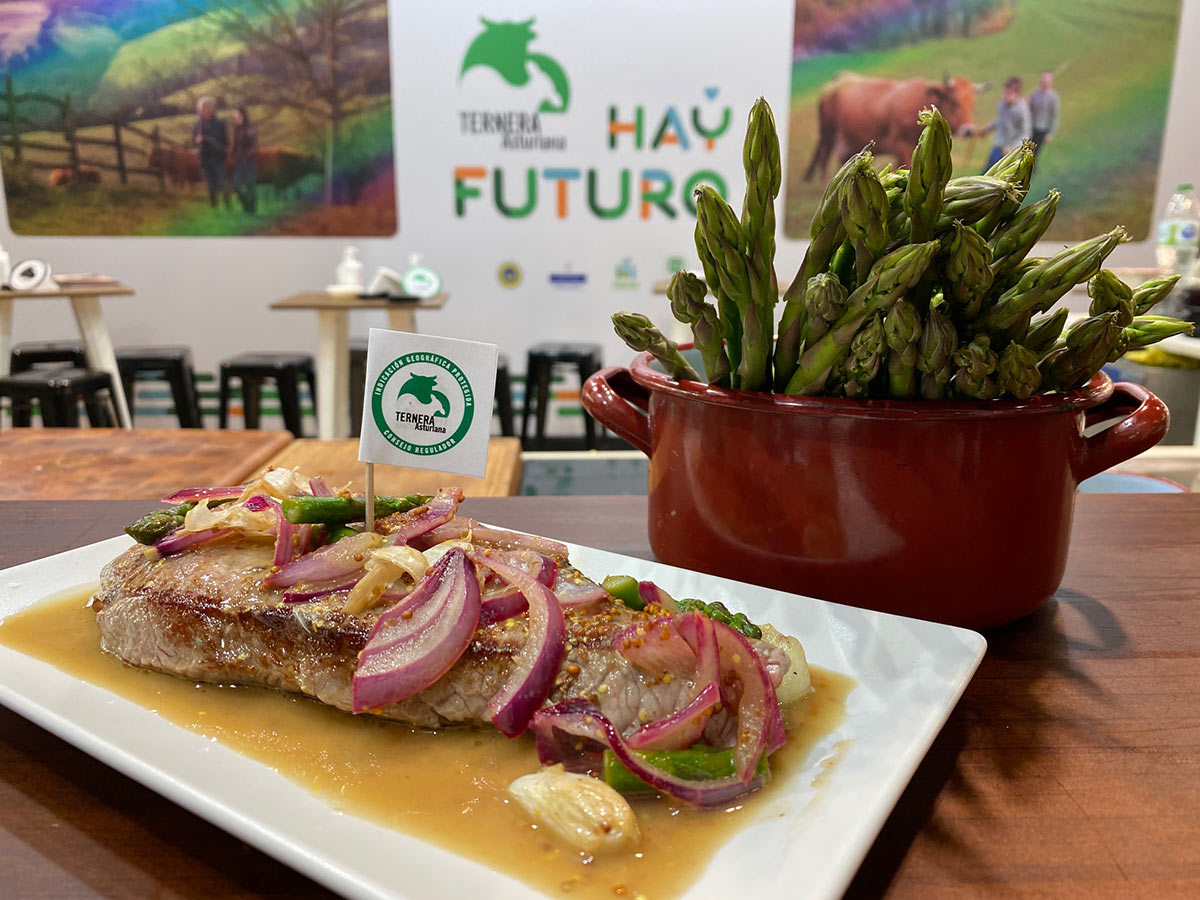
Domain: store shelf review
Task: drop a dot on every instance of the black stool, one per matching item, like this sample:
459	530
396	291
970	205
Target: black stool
504	397
285	369
58	393
170	364
541	362
29	354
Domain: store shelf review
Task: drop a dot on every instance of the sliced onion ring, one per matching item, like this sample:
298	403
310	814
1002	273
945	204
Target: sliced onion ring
581	719
403	527
535	666
175	543
575	590
685	726
419	639
460	528
319	486
508	601
191	495
333	561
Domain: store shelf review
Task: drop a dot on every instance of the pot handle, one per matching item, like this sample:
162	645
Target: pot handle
1140	430
620	404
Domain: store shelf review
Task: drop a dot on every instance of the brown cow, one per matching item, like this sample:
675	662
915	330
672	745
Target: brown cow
854	110
282	168
87	175
182	167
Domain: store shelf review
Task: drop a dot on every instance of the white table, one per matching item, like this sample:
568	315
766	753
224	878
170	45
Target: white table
85	303
333	346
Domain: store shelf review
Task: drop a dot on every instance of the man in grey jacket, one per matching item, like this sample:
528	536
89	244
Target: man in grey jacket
1011	125
1043	111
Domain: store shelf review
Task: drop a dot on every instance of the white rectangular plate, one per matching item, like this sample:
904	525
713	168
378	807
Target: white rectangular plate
805	841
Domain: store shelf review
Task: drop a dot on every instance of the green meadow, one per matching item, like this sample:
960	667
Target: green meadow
1114	64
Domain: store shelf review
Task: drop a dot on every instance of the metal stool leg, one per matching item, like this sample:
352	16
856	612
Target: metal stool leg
184	403
251	394
223	408
289	400
586	368
543	399
504	402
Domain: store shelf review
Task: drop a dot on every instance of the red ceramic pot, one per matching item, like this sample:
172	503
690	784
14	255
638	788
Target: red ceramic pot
956	512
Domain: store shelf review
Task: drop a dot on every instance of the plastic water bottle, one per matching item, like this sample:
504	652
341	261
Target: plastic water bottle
1178	232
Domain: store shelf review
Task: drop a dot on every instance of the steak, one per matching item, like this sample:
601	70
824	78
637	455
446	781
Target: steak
206	615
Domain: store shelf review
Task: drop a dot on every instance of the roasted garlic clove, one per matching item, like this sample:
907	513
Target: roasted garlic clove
584	811
796	683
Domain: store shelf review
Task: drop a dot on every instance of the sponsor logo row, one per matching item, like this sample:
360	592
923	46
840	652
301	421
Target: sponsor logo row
511	275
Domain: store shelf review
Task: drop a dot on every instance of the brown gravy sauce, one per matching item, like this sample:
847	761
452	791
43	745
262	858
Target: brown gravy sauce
447	788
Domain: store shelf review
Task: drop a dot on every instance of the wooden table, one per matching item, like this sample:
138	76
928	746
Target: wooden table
338	462
333	346
97	344
1071	768
112	464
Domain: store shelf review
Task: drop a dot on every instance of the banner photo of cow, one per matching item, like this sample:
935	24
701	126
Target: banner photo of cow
1089	83
197	117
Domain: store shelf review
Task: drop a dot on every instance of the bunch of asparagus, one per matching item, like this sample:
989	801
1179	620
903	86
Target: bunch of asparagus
915	285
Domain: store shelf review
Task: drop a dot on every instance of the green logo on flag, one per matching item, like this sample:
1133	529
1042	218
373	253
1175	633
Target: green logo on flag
422	403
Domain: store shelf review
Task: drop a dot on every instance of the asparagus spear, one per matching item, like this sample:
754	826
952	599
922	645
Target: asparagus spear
867	350
1146	330
939	340
719	612
697	763
1110	294
725	241
641	335
687	293
1045	331
975	364
824	301
967	199
340	510
967	278
158	524
890	278
760	157
864	210
826	235
1149	293
1043	285
902	331
731	323
931	169
1088	345
1017	236
1016	167
1017	372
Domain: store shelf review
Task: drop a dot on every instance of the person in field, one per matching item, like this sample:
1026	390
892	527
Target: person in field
245	153
1011	125
211	142
1043	110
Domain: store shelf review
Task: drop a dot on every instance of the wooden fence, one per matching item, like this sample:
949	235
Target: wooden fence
19	124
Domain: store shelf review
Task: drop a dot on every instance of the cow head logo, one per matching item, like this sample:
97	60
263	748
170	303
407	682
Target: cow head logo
503	47
424	389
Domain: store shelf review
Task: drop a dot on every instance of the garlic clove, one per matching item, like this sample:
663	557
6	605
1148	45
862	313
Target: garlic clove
584	811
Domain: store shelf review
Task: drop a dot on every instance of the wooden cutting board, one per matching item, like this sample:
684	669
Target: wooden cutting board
114	464
338	461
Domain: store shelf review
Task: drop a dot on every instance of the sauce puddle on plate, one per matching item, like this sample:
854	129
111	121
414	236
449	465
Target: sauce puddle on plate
448	788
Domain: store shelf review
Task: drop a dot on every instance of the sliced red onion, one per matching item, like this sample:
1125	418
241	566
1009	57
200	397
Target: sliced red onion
656	646
685	726
501	607
333	561
653	595
586	725
314	592
176	543
319	487
536	664
194	495
505	601
757	707
424	519
418	640
287	538
305	540
459	528
575	590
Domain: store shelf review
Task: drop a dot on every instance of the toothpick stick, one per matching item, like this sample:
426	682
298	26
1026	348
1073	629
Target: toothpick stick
370	496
